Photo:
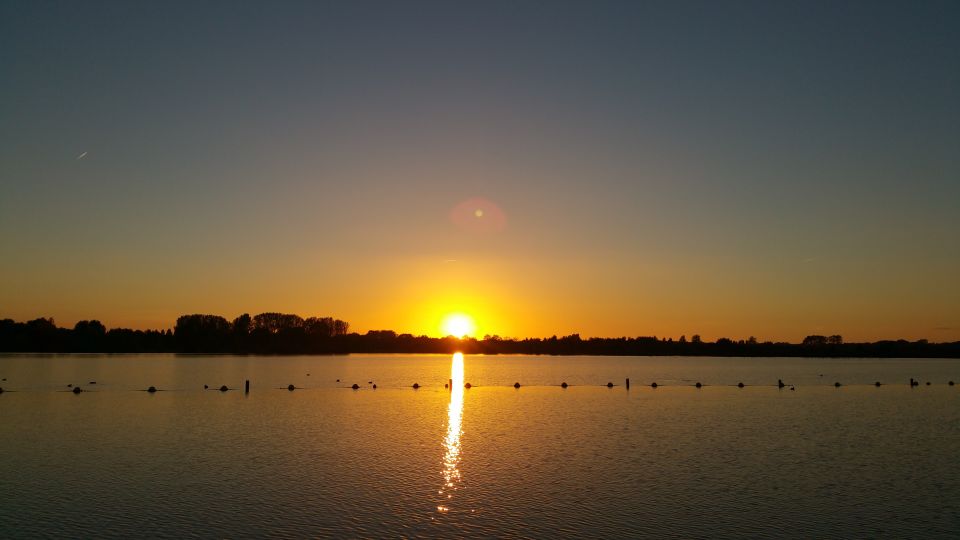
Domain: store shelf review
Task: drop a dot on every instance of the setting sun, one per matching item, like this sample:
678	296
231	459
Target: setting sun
458	324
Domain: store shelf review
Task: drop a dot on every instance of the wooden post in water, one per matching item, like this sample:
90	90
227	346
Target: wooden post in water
246	387
628	383
450	382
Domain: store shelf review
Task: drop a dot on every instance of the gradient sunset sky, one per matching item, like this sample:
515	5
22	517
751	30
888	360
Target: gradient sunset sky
774	169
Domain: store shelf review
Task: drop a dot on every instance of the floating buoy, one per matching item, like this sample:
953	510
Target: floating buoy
739	385
609	385
338	380
563	385
71	386
355	386
792	388
308	374
928	383
92	382
1	389
950	383
653	385
468	385
205	387
291	387
913	382
445	385
877	384
516	385
374	387
369	382
780	383
415	386
698	385
152	389
224	388
836	385
77	390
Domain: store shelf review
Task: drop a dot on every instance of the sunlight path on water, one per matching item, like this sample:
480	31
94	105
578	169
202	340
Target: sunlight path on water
451	443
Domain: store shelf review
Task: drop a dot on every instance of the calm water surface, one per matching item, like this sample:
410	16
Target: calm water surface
588	461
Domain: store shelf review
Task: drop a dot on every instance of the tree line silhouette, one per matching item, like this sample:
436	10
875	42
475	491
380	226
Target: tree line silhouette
282	333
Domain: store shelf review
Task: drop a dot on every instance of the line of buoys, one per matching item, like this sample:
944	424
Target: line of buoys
780	384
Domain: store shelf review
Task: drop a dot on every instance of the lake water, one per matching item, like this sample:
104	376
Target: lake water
491	460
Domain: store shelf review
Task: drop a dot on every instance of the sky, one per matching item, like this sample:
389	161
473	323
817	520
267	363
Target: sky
728	169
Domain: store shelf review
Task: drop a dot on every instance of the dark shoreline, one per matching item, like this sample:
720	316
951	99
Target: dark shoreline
282	334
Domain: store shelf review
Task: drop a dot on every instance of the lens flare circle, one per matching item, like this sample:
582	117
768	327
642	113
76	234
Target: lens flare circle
479	216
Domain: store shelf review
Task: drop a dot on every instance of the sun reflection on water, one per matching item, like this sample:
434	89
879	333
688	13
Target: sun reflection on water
451	443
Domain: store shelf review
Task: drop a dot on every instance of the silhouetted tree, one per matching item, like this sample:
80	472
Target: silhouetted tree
276	322
88	336
242	325
815	341
202	333
319	326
